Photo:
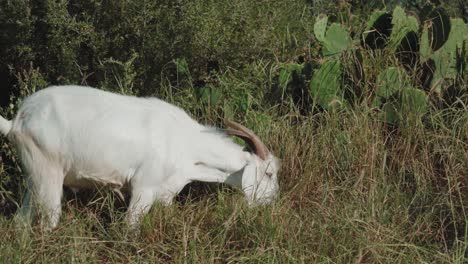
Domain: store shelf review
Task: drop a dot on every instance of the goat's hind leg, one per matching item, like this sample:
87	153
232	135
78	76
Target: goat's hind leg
44	194
26	212
49	191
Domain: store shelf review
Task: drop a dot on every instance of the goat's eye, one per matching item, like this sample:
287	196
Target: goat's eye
269	174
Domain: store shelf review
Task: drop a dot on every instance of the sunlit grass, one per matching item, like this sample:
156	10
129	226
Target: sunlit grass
349	193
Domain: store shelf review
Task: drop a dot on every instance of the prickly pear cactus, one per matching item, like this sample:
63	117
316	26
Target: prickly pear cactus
446	57
287	73
290	80
425	50
326	85
404	39
378	30
413	100
320	27
335	39
402	26
409	102
209	95
389	82
435	31
396	97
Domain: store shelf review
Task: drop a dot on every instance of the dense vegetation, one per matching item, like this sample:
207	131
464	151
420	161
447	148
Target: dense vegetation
366	105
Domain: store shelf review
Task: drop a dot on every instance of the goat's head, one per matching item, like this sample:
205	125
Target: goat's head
259	178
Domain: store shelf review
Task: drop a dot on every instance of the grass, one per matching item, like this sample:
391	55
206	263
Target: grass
352	190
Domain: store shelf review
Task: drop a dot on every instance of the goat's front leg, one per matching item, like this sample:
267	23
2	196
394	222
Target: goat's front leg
140	203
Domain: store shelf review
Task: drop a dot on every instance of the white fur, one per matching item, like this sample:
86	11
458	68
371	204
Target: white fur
83	137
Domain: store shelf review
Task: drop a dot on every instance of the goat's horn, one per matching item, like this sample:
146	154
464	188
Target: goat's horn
249	136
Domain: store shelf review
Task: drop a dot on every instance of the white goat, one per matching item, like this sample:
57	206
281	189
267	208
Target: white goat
83	137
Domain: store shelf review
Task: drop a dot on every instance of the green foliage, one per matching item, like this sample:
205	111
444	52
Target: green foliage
405	104
415	100
182	66
397	98
209	95
335	39
320	27
437	51
389	82
287	73
378	30
290	77
73	42
121	75
326	85
443	41
425	50
16	32
402	26
436	30
446	59
373	19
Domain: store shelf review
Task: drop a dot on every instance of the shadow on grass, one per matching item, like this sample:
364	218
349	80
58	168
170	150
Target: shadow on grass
105	204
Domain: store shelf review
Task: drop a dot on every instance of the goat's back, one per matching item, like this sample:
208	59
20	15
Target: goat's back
93	130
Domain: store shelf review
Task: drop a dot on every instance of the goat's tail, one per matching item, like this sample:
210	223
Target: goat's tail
5	126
